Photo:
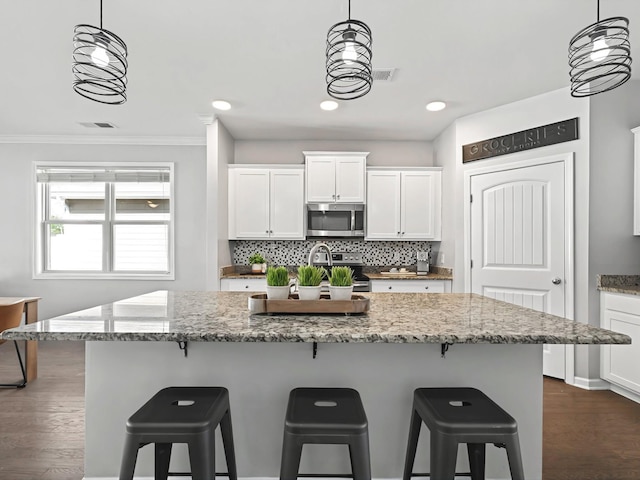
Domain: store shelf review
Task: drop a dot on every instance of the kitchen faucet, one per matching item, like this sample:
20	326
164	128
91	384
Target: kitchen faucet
317	247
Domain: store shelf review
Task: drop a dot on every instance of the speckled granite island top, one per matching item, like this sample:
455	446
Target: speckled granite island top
393	318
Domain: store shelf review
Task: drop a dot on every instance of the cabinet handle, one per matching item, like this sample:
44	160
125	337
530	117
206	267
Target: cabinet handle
402	233
246	286
398	233
338	197
389	287
333	196
266	231
271	231
426	288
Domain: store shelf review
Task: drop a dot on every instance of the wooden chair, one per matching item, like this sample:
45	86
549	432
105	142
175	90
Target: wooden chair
10	317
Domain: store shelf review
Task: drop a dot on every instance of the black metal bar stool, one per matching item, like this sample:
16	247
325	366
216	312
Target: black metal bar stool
461	415
325	416
181	415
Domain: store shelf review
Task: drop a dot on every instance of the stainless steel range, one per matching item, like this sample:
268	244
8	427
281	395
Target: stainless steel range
361	282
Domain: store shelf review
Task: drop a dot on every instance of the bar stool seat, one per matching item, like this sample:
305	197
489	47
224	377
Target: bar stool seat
181	415
325	416
461	415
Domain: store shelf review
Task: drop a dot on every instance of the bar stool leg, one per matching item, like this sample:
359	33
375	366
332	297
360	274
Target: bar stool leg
360	461
443	456
476	452
412	445
162	459
202	456
227	441
291	453
129	457
515	458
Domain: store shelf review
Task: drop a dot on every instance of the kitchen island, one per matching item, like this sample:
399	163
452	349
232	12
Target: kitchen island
139	345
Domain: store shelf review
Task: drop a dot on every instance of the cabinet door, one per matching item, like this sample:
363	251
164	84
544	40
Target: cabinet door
350	174
619	363
383	205
287	204
243	285
420	206
408	286
321	179
248	203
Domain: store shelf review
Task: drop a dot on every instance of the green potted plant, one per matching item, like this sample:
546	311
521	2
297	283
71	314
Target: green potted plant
258	263
277	283
341	283
309	279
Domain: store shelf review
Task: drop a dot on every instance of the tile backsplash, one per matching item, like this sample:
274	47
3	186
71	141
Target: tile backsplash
296	252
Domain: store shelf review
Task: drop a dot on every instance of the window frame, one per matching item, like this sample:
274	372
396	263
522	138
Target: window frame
40	237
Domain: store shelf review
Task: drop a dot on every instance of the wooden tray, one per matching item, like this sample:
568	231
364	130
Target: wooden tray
258	303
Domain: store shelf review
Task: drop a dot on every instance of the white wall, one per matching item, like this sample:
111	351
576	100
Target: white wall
62	296
382	153
444	151
535	111
612	247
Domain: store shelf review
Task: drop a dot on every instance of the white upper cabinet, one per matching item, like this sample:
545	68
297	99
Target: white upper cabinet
335	177
404	204
266	203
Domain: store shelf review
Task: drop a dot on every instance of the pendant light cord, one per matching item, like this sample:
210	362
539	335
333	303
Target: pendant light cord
101	13
350	8
598	9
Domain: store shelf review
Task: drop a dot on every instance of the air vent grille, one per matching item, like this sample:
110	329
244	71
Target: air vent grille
98	125
383	74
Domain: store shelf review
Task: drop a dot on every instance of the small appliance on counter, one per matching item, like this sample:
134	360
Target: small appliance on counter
423	263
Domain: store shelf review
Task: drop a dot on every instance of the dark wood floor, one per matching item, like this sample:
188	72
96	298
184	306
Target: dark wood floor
588	435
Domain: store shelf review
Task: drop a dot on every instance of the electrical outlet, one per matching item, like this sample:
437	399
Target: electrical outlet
442	259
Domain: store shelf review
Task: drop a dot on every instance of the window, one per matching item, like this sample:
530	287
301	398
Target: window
110	221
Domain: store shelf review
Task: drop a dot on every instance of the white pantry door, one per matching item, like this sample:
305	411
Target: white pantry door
517	242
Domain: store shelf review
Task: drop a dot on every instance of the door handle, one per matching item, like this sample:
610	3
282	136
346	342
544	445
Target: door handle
556	281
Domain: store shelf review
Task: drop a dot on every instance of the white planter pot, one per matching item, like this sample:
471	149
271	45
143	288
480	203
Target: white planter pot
258	267
340	293
278	293
309	293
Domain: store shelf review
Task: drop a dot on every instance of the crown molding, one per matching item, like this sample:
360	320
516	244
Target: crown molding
99	140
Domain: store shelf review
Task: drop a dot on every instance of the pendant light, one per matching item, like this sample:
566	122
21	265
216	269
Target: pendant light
600	56
99	64
349	71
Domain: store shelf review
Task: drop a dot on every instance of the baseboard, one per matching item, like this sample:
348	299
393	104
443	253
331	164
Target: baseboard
591	383
625	393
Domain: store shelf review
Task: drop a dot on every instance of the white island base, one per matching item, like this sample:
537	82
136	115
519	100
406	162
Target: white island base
121	376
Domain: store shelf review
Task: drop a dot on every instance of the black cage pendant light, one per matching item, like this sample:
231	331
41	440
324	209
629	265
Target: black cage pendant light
99	64
600	56
349	71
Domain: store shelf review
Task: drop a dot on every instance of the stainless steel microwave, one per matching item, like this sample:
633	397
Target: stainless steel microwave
335	220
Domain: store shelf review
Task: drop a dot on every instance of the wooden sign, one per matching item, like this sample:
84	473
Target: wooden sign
551	134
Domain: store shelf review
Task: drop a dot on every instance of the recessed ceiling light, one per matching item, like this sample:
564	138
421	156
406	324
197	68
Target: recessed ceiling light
221	105
329	105
436	106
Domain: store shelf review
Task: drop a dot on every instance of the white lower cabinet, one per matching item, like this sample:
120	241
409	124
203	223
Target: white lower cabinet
243	285
620	364
411	286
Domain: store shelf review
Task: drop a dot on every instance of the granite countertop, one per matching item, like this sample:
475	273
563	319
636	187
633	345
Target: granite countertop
392	318
629	284
409	276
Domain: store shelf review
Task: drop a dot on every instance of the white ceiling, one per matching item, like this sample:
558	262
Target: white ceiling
267	58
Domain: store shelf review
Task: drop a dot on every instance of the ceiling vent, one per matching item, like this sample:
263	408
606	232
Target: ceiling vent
383	74
98	125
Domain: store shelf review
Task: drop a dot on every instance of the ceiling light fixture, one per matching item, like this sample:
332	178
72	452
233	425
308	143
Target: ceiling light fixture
99	64
329	105
436	106
221	105
348	56
600	56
